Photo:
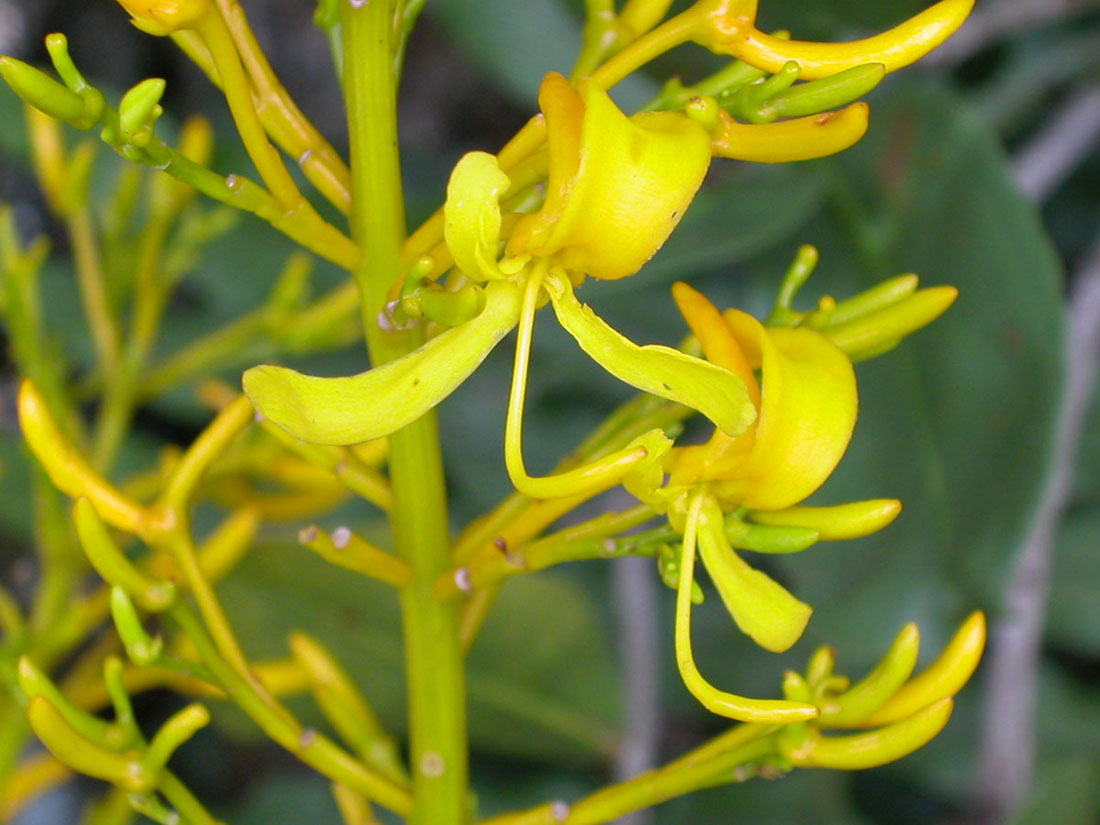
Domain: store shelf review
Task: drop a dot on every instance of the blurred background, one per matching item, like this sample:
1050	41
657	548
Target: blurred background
981	169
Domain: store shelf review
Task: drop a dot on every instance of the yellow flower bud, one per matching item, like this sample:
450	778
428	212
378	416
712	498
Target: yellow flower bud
841	521
803	138
870	749
617	185
864	698
68	469
122	769
161	17
943	678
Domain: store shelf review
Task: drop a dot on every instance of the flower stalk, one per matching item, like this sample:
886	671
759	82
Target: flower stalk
433	651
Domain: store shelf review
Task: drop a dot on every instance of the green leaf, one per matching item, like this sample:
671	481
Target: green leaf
958	421
1066	792
757	802
298	798
518	43
372	404
541	678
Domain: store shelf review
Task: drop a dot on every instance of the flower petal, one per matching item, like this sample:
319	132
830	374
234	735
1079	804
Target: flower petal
807	414
761	606
715	392
357	408
618	186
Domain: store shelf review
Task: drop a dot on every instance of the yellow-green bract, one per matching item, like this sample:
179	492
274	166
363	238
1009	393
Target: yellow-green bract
375	403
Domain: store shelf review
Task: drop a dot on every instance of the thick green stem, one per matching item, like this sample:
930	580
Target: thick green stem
419	514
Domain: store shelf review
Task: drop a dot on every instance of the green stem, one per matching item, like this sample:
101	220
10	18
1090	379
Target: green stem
419	515
186	805
732	757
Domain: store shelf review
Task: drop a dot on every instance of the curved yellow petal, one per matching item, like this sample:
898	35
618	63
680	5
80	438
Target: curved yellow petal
357	408
894	49
803	138
807	414
715	337
761	607
712	390
618	186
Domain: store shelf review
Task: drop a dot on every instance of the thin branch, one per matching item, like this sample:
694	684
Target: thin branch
635	603
1067	138
1008	744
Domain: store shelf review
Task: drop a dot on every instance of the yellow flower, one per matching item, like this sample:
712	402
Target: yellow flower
805	404
163	17
806	410
617	185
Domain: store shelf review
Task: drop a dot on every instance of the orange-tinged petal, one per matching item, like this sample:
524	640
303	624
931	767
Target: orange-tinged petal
807	414
618	186
714	334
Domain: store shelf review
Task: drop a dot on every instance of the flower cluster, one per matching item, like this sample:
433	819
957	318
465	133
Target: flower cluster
782	395
583	191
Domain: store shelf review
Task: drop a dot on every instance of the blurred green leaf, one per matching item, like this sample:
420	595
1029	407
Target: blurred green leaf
298	798
1066	792
15	496
958	422
518	43
1068	714
542	682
